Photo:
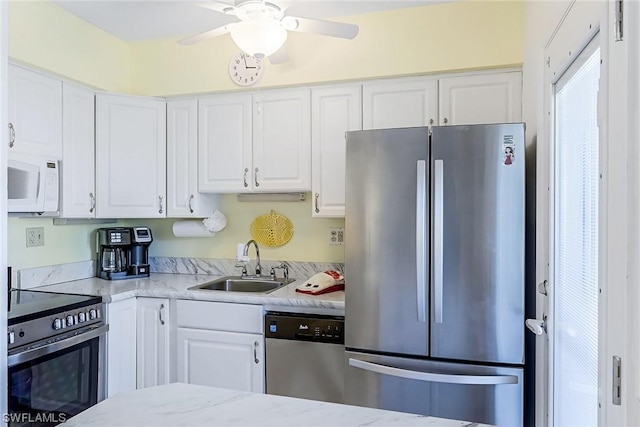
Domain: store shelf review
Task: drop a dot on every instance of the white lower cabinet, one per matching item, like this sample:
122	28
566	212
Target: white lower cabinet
220	345
221	359
121	346
153	331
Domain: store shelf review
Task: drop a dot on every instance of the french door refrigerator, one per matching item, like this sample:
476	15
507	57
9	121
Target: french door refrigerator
434	270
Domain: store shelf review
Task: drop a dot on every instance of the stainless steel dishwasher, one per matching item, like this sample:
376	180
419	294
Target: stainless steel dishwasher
305	356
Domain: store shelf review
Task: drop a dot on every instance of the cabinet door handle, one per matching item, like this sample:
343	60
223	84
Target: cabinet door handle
190	200
255	352
93	202
160	203
316	200
160	314
445	121
12	135
246	170
255	178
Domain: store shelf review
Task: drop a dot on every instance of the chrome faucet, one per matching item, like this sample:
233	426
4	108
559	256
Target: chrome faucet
285	270
246	253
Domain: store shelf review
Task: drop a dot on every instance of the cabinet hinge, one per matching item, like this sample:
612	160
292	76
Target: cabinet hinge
619	20
617	381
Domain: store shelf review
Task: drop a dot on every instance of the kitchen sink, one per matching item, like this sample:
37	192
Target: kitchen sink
243	284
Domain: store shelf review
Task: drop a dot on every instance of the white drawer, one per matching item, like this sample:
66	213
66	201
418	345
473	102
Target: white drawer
220	316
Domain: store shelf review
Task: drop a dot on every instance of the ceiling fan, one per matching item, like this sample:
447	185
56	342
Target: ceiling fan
262	27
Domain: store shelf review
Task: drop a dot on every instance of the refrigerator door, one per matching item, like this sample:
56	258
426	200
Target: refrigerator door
386	240
474	393
477	293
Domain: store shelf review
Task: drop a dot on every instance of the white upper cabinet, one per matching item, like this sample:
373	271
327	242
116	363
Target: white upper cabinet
130	156
399	103
282	141
482	98
255	142
183	198
225	143
35	113
334	111
78	149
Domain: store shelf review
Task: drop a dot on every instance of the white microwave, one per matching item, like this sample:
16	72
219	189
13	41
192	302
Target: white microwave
33	184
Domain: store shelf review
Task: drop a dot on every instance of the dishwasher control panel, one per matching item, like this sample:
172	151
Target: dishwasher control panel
304	327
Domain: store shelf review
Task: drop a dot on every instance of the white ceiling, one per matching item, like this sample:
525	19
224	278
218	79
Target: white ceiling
155	19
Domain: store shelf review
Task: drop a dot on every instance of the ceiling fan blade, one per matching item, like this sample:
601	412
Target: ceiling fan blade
318	26
217	6
281	56
206	35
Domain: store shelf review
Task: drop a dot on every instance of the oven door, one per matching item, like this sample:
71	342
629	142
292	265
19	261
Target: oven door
52	382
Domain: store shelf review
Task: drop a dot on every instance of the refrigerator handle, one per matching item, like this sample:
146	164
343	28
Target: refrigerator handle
434	377
421	240
438	194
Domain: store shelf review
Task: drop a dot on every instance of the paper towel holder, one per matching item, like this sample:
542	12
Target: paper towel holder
271	197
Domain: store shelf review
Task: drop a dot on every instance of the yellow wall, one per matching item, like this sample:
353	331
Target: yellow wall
453	36
310	241
45	35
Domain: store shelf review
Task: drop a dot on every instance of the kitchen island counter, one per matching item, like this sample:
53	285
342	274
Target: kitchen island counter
193	405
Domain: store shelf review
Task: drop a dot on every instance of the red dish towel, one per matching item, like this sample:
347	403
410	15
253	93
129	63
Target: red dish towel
322	283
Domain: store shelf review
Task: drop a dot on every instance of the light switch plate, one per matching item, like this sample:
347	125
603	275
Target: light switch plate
336	236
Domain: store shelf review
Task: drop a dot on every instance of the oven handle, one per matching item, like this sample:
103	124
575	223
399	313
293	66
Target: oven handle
34	353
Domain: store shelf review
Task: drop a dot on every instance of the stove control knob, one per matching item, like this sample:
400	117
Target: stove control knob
93	314
57	324
82	317
69	320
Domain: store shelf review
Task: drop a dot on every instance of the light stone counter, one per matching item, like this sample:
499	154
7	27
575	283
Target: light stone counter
175	286
192	405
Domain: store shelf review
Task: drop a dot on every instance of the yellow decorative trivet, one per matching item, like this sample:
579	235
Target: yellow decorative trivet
272	229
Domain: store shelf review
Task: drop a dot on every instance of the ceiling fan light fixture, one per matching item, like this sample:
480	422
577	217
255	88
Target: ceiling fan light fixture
259	37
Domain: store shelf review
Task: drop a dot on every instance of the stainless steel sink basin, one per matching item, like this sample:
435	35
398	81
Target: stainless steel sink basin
240	284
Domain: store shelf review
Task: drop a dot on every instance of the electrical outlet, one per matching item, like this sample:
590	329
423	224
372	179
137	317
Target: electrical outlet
35	237
336	236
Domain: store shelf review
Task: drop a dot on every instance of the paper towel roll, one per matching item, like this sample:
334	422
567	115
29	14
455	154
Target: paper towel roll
193	228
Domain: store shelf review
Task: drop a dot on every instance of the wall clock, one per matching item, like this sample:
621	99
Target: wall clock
245	70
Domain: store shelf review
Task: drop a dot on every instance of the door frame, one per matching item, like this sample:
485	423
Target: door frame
579	24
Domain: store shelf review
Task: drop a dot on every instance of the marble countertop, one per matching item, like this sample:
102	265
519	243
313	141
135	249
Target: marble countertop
176	286
192	405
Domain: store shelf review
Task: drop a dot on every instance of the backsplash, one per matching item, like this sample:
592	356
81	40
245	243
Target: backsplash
227	267
49	275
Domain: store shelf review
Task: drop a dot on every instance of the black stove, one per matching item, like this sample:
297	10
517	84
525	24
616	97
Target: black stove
35	315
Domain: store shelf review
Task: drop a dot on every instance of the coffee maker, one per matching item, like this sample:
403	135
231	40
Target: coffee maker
123	252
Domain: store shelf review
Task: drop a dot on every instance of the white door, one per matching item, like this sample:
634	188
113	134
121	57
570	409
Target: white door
35	113
183	198
221	359
282	141
400	103
574	278
584	224
152	348
481	98
334	110
130	156
78	153
224	143
121	346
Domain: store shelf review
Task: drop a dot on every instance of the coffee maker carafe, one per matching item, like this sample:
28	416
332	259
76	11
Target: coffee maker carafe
123	252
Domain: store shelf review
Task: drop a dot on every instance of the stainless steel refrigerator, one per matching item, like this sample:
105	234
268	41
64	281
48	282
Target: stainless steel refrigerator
434	269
